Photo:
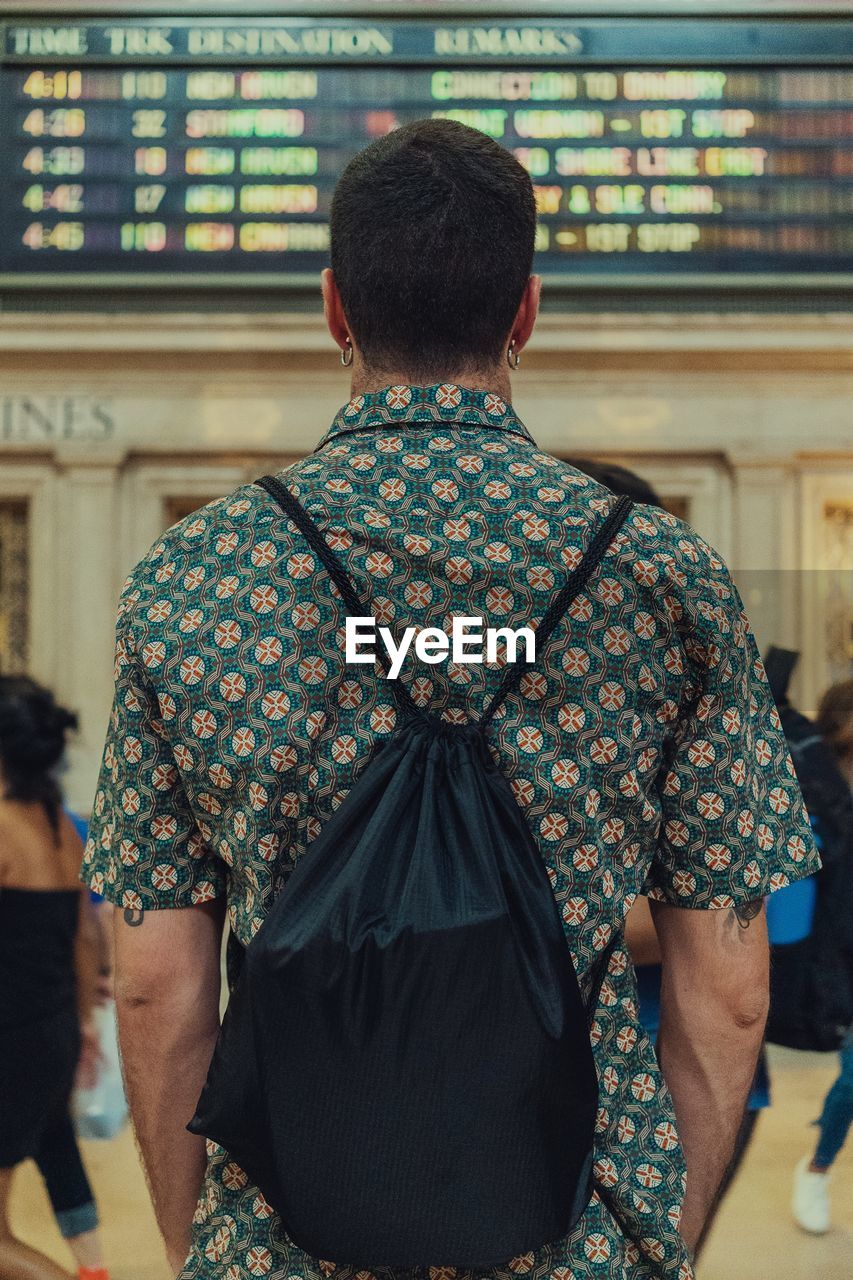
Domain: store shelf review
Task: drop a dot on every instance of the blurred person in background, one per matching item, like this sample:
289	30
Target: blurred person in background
831	805
618	479
48	973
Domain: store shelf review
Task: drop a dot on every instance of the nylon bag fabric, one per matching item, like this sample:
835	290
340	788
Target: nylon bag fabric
404	1068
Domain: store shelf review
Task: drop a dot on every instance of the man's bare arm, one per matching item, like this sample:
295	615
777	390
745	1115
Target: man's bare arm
640	934
714	1000
167	980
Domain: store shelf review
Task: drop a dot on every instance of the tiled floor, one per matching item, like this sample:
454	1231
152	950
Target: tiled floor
754	1238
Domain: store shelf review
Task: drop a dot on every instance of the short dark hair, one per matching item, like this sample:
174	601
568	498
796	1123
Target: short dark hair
618	479
834	718
432	231
33	729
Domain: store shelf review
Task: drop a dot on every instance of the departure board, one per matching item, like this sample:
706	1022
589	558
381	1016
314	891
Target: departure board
205	151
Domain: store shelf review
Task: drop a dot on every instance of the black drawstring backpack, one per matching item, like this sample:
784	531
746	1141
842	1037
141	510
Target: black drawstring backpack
404	1068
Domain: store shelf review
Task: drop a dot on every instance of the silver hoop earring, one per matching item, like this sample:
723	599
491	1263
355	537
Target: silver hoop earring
513	359
347	350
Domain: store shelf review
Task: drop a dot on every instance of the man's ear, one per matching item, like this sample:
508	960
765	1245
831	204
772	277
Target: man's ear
525	317
333	309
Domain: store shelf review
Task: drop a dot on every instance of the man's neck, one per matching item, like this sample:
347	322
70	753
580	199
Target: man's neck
365	381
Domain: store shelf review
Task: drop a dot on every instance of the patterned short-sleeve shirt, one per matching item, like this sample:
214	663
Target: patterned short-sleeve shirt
644	748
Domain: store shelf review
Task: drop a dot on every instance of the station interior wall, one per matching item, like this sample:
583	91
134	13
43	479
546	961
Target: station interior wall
112	426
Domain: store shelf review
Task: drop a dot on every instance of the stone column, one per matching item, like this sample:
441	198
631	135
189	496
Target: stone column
86	605
764	561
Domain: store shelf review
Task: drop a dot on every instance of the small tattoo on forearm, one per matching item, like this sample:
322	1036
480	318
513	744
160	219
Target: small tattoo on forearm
134	916
746	912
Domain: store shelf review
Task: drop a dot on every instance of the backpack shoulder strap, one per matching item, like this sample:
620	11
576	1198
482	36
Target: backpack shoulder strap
573	586
354	604
312	535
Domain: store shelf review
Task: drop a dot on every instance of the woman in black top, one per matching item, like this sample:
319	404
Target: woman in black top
47	975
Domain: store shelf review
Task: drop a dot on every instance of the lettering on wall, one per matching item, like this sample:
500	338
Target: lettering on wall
49	419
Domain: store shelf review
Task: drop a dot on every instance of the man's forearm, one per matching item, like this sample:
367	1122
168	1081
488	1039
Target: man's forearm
708	1049
164	1071
167	1034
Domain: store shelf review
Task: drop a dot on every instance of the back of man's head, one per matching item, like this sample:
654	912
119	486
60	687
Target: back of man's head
432	231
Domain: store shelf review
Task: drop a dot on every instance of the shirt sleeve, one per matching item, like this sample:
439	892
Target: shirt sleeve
733	823
144	849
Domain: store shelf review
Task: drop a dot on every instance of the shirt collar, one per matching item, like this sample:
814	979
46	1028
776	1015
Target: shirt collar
443	402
